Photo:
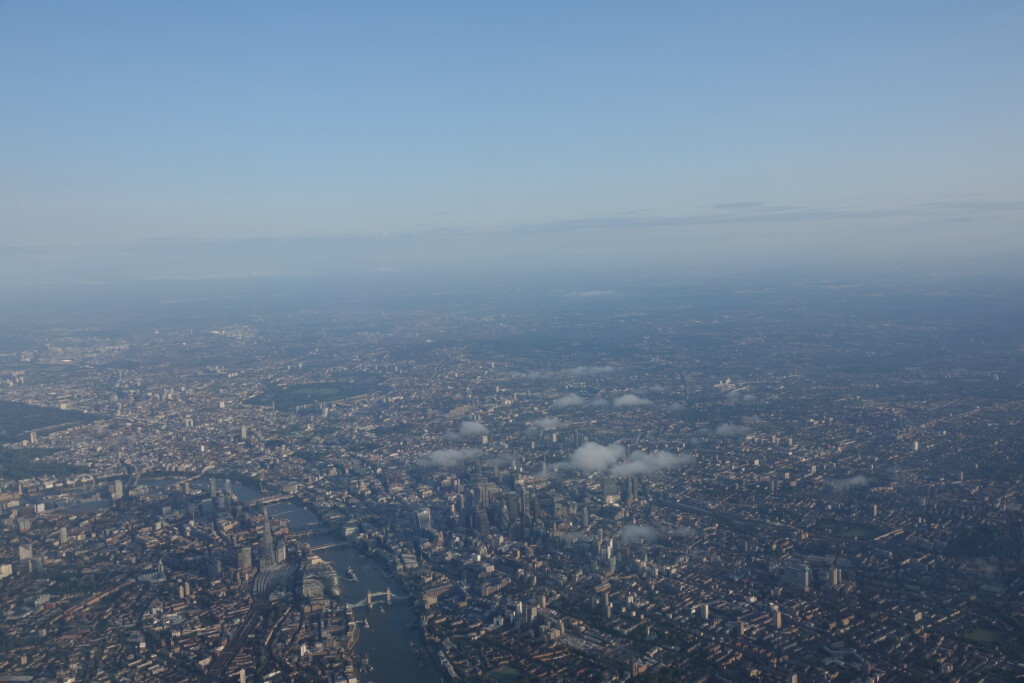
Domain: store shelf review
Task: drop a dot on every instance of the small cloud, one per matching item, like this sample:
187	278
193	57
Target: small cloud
729	429
467	430
598	403
631	401
450	457
593	457
550	473
850	482
472	428
548	423
587	370
591	293
640	463
637	533
754	207
536	374
568	401
737	396
578	371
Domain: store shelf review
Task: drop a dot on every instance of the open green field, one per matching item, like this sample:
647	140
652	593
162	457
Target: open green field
844	529
291	397
18	419
28	463
504	674
983	635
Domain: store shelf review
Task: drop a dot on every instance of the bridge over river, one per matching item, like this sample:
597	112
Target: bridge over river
370	595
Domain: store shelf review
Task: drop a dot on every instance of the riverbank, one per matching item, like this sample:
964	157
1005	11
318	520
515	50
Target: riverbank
392	642
388	638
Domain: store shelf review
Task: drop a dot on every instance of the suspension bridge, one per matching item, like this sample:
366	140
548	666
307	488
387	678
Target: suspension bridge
371	596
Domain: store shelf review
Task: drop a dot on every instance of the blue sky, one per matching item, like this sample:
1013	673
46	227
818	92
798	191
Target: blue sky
654	122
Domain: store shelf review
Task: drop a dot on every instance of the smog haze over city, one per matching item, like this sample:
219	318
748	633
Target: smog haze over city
570	341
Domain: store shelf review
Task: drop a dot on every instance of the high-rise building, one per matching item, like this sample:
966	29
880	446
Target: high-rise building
268	557
245	559
423	519
610	490
835	576
799	577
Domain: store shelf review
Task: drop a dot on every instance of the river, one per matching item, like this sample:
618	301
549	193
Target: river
393	643
393	638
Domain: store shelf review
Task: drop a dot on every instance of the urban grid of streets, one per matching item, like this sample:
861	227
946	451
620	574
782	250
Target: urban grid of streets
731	486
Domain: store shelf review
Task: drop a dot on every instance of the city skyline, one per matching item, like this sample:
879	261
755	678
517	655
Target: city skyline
462	341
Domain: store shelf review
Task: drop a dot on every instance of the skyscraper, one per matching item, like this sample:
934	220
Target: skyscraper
267	557
423	519
245	559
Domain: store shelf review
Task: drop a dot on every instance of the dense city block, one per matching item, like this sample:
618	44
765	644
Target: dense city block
785	483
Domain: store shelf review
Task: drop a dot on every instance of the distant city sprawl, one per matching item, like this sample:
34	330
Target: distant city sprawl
812	482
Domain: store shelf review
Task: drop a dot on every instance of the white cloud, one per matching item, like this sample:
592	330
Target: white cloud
578	371
634	533
536	374
472	428
568	400
630	401
448	457
586	370
737	396
850	482
593	457
548	423
639	463
729	429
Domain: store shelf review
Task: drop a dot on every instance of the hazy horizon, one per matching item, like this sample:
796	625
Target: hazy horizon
199	141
